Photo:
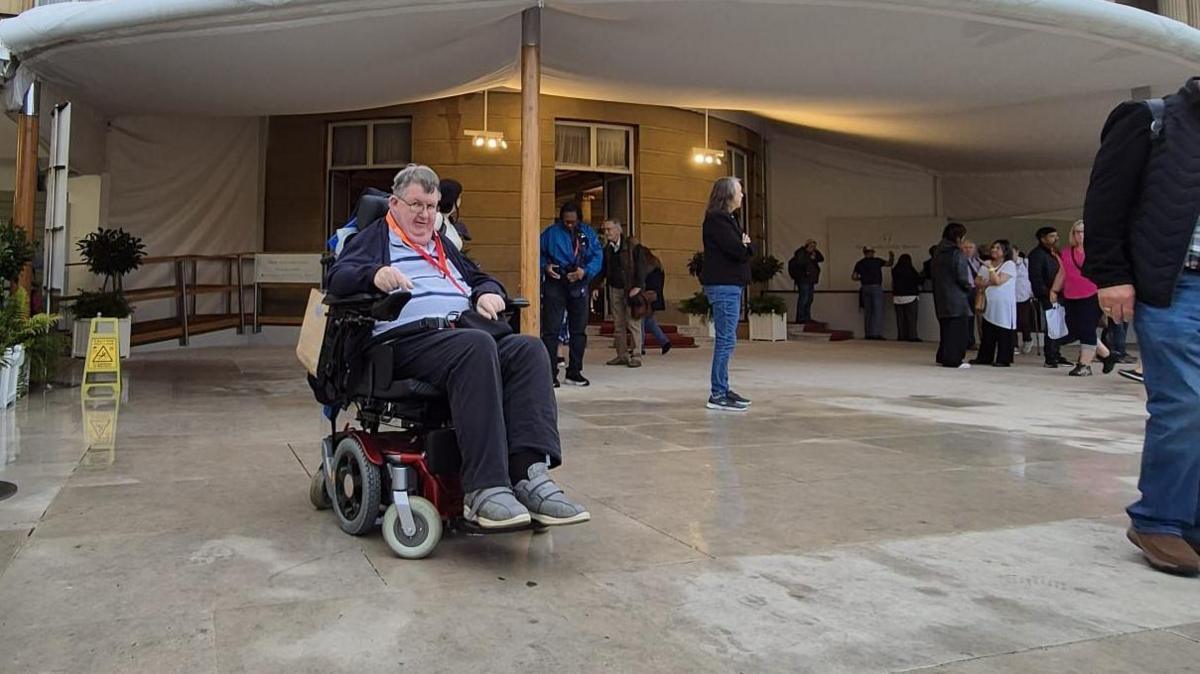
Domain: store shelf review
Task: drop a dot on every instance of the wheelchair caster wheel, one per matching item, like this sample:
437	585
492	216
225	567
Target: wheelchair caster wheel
318	495
426	537
357	488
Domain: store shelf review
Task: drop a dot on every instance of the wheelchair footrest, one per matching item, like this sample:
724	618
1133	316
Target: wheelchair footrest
461	525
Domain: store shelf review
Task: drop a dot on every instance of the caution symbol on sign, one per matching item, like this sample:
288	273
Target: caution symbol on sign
102	354
102	369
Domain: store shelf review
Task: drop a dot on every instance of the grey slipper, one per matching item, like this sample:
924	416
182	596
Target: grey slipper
494	508
546	502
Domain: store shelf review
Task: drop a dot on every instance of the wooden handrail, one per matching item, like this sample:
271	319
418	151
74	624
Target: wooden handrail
185	288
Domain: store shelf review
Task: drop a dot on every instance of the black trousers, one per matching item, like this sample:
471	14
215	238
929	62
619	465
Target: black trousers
1050	347
500	396
995	345
953	345
906	321
555	300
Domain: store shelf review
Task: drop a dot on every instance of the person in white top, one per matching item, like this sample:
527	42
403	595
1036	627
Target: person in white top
1025	321
998	279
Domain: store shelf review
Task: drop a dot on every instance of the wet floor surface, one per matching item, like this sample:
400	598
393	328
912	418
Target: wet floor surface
871	513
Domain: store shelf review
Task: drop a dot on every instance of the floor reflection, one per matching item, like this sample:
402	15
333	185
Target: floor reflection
99	427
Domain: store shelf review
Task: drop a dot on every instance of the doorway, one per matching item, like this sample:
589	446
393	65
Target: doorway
601	196
345	187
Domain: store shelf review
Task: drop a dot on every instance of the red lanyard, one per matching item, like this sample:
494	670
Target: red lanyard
439	263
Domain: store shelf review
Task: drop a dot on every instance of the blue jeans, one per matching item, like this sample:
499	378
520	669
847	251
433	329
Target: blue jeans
872	302
804	300
1170	348
726	304
650	324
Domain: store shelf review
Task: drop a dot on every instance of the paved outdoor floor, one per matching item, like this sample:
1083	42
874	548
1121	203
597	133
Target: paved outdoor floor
871	513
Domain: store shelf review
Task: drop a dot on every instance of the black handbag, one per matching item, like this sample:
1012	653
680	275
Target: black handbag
473	320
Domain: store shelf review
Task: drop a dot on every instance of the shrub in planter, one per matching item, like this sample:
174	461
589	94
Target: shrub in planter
764	268
111	253
696	305
90	304
45	348
767	304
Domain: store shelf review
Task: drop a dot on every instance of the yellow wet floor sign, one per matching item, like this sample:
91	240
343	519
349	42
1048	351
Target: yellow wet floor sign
102	369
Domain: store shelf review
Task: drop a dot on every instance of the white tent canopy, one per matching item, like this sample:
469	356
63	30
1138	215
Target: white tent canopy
952	85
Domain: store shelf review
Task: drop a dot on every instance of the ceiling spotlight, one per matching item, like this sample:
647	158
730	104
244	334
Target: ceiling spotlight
491	139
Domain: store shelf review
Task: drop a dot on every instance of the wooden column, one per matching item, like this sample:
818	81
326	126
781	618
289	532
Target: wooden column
25	195
531	169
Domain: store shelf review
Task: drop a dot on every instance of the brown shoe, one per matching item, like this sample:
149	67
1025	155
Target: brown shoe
1166	552
619	360
635	362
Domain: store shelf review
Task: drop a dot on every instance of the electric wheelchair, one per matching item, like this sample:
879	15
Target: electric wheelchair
399	465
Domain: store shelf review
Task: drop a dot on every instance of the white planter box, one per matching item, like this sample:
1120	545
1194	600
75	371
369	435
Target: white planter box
79	336
697	321
768	327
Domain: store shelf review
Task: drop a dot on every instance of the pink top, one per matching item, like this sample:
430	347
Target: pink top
1076	286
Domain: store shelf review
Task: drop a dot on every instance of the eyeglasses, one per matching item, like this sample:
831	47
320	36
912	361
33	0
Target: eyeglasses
417	207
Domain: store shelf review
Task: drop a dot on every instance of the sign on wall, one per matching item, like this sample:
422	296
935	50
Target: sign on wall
287	268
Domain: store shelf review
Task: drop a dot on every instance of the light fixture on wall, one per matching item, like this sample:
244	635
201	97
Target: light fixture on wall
705	155
492	140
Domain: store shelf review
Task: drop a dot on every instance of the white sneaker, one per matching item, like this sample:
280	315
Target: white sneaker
965	366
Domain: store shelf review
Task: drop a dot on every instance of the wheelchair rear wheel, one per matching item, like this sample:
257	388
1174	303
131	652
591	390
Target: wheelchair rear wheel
426	537
356	489
318	495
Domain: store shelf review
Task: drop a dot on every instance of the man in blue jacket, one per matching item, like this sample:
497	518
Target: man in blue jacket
571	258
505	417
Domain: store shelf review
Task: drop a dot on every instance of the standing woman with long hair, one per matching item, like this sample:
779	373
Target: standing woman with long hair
1079	298
726	272
998	282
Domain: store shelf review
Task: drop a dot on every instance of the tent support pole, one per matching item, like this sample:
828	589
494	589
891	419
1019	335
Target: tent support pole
531	169
25	195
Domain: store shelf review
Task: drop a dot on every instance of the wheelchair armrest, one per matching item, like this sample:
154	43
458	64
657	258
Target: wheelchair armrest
377	305
516	303
353	301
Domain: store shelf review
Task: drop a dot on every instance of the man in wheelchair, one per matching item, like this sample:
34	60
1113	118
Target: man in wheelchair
499	390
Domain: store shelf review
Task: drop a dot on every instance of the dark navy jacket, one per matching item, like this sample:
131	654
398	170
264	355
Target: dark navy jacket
370	249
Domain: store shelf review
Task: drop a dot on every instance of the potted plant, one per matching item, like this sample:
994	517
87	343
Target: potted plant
44	350
111	253
768	318
699	312
768	313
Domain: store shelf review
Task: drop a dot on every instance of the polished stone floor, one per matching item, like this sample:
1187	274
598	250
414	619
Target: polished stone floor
870	514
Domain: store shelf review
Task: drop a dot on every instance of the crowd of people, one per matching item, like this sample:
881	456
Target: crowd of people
993	299
579	270
1010	296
